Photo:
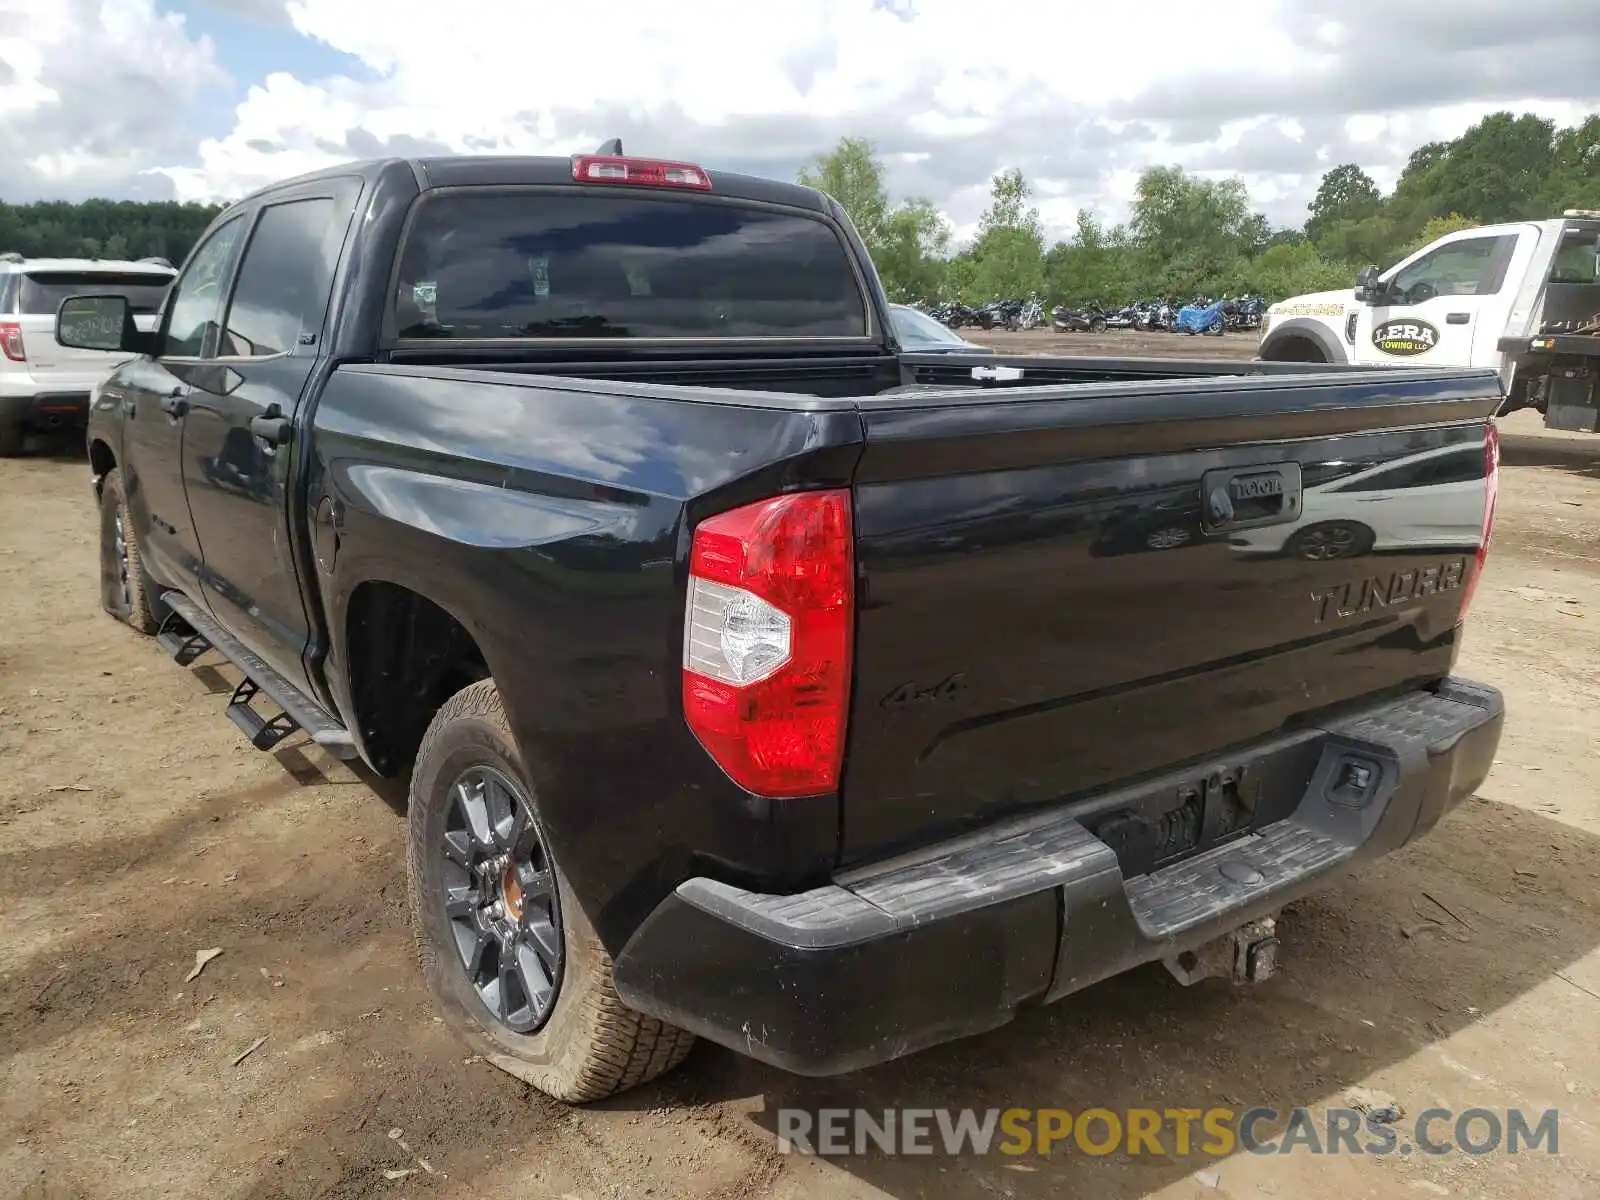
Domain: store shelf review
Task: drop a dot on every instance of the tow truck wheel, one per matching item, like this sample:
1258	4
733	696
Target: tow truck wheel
506	949
124	589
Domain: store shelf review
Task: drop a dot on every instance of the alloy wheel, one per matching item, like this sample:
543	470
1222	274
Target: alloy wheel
499	895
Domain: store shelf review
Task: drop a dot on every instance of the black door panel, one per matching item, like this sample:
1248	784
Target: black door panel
156	394
239	482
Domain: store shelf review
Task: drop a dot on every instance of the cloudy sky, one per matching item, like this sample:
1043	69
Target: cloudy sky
200	99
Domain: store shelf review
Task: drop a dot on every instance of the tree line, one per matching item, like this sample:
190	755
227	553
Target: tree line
1188	236
1185	235
118	229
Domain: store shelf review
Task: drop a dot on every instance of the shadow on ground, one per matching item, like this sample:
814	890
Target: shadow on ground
1580	456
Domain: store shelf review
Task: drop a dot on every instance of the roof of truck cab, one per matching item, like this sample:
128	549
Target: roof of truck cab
495	170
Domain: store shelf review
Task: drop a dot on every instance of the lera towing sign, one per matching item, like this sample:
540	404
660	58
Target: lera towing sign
1406	337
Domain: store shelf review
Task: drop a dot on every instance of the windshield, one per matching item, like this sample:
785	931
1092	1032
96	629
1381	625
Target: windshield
43	291
547	265
918	329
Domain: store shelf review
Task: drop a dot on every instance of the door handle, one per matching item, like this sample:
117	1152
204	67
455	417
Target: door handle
1458	318
271	427
1248	497
173	403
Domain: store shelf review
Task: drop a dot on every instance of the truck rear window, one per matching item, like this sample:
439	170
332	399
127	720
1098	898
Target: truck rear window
43	291
530	265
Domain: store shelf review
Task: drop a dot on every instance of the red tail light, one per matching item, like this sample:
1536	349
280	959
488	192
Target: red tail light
767	641
11	341
1491	483
645	172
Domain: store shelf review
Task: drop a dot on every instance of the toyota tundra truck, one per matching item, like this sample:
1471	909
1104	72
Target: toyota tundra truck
758	679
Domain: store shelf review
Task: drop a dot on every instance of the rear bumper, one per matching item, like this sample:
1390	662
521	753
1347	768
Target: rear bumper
44	409
951	941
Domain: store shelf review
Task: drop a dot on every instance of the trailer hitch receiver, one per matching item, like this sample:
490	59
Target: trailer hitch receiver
1247	955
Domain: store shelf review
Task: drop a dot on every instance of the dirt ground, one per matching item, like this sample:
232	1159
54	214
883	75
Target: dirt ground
137	828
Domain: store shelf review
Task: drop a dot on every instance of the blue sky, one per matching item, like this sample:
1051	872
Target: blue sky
249	49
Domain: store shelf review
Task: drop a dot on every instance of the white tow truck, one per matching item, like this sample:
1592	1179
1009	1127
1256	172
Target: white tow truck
1523	298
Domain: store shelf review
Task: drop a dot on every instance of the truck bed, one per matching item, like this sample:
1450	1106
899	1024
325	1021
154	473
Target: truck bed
1045	607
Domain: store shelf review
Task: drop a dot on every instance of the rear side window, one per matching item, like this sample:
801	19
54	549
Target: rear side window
43	291
1458	466
1577	259
284	279
532	265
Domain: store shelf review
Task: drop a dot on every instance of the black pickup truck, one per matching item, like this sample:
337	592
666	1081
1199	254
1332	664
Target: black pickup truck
757	679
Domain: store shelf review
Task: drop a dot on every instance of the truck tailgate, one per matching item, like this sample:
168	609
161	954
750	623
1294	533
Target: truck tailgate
1064	589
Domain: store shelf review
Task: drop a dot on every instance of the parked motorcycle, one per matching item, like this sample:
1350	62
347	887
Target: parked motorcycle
1031	315
1200	319
1078	320
955	315
1154	315
1244	313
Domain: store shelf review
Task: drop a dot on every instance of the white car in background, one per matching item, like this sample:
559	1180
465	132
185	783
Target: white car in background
1349	509
921	334
44	386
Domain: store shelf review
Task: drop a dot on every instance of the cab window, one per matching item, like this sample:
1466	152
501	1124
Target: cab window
1470	267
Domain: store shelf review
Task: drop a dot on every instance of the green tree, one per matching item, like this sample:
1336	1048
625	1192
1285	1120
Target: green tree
911	256
1345	195
1009	194
1437	228
852	175
1096	266
1294	269
1194	234
1497	170
1575	176
1008	255
906	240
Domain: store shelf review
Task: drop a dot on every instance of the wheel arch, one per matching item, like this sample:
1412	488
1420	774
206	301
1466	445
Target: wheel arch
1295	337
404	654
102	461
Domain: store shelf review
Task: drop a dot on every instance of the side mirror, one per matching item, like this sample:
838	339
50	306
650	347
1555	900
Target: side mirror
100	323
1368	288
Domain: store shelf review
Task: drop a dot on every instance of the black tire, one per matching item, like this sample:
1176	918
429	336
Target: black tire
124	586
1291	348
11	439
1329	540
1097	325
589	1045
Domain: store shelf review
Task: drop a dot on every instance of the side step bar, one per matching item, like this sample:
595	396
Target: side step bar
300	711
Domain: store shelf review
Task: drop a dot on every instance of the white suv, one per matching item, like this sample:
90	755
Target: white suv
44	386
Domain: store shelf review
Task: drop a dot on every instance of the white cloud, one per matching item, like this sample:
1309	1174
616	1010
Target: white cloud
89	90
1080	96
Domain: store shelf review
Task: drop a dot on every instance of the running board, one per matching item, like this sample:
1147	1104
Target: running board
300	711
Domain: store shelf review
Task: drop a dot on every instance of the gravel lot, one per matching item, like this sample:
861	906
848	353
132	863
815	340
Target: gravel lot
137	828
